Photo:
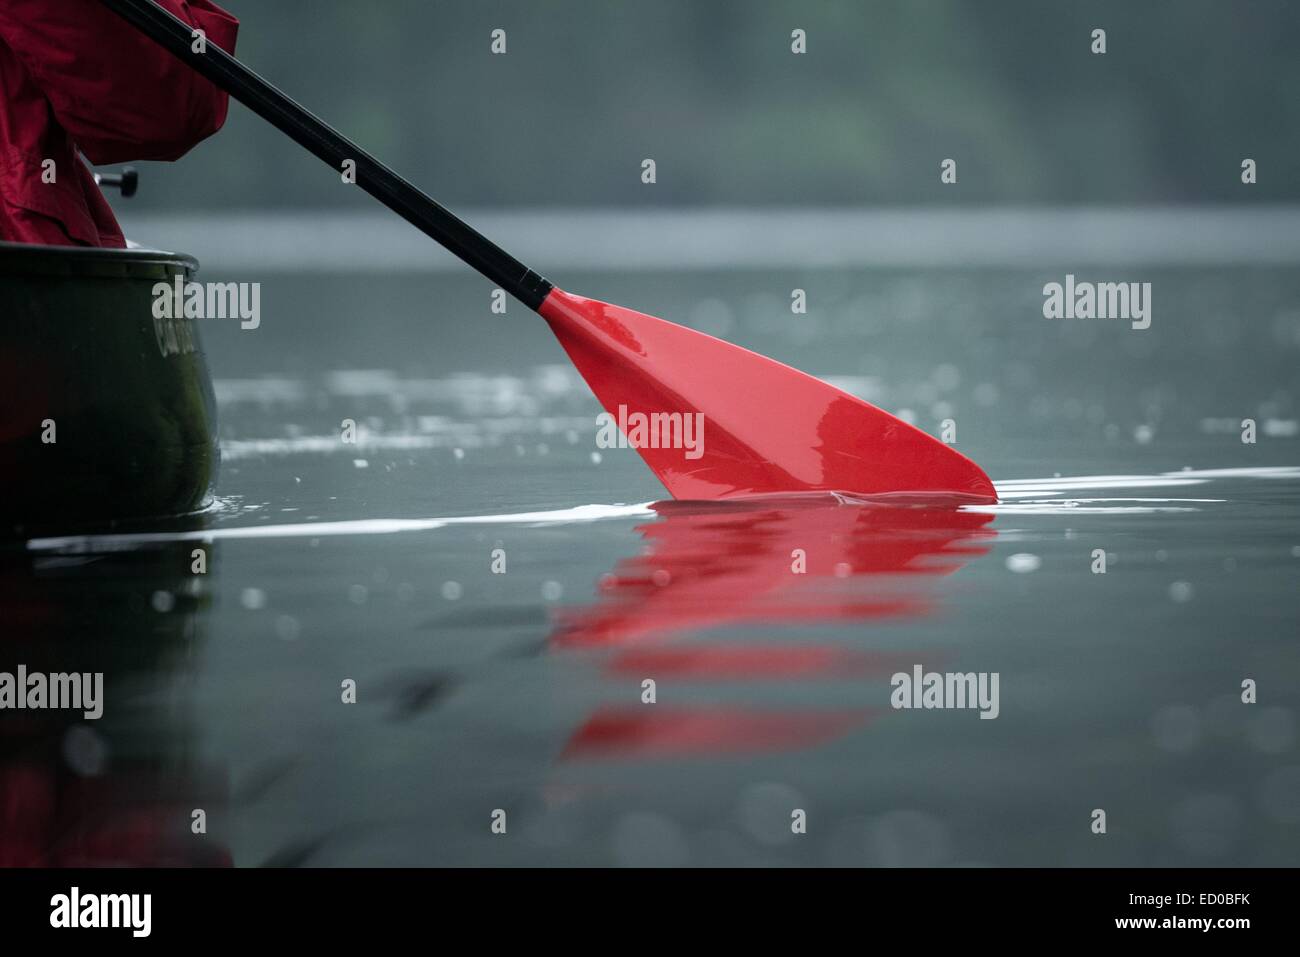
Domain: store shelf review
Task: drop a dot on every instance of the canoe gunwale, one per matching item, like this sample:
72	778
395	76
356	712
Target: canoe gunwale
92	262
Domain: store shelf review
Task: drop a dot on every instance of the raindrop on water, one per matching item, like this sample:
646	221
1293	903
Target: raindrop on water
85	751
1023	562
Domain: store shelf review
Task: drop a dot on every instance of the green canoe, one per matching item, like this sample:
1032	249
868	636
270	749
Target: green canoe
106	412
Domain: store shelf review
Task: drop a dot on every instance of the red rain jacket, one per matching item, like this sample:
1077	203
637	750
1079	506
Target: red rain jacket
74	77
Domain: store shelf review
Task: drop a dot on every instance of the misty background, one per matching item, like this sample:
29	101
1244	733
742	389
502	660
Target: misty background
712	92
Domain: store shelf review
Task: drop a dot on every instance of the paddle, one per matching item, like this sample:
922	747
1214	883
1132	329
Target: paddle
712	420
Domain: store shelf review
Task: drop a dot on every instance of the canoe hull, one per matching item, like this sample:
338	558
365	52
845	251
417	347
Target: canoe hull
108	413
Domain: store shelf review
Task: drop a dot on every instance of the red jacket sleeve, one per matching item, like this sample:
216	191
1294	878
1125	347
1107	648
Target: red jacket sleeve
118	94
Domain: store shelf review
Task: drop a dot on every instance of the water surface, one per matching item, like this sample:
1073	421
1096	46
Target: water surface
522	691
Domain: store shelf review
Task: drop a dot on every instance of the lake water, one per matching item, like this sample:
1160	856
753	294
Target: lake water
521	689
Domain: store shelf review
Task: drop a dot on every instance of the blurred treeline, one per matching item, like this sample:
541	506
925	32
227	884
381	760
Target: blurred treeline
712	92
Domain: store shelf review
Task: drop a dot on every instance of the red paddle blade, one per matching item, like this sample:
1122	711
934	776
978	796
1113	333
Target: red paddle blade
713	420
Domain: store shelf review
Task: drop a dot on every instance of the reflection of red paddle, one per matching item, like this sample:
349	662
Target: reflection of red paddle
720	565
766	427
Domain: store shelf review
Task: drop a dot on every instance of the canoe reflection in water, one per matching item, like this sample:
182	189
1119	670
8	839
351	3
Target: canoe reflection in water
772	561
121	790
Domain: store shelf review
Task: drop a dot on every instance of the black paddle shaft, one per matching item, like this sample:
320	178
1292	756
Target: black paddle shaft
178	38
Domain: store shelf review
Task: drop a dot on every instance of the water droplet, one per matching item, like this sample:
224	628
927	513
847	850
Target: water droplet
451	590
252	598
1023	562
1181	592
162	601
85	751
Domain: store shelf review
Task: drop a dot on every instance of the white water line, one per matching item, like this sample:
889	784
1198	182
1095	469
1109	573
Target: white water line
1016	490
